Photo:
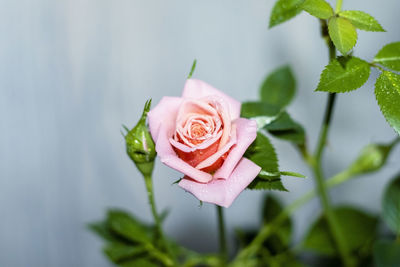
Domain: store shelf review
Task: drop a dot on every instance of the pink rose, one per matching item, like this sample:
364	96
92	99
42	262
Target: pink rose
201	135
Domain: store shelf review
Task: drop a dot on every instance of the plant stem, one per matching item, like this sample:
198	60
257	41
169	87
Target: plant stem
317	166
161	256
222	236
333	223
149	187
325	127
268	229
338	6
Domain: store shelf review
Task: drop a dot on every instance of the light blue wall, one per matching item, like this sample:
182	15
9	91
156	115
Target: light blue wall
72	71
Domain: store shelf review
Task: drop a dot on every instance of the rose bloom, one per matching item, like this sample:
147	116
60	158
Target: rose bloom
201	135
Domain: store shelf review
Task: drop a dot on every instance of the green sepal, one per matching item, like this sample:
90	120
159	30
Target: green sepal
192	69
292	174
177	181
140	146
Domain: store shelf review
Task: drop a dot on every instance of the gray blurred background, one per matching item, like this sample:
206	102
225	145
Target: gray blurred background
73	71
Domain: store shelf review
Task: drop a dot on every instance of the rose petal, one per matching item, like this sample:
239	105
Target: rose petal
211	160
194	106
184	133
164	113
223	192
246	131
223	110
199	89
204	145
170	158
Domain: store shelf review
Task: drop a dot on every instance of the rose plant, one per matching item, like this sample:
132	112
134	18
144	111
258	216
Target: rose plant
222	146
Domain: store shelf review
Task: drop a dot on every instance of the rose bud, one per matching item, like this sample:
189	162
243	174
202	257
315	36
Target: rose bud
371	158
201	135
140	146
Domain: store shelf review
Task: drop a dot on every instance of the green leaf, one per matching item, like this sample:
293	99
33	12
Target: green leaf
265	184
358	228
284	10
193	259
257	109
279	87
342	33
140	262
127	226
389	56
387	254
101	229
262	113
318	8
391	205
284	127
344	74
118	252
281	123
262	153
387	93
362	20
288	259
104	230
245	236
277	244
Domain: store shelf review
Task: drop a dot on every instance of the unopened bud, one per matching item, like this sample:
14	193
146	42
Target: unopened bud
140	146
371	158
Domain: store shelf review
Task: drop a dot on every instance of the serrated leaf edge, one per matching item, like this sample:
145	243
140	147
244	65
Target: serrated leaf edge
377	22
302	6
379	102
339	77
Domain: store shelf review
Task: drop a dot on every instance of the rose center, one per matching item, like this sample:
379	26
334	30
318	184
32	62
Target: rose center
197	130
